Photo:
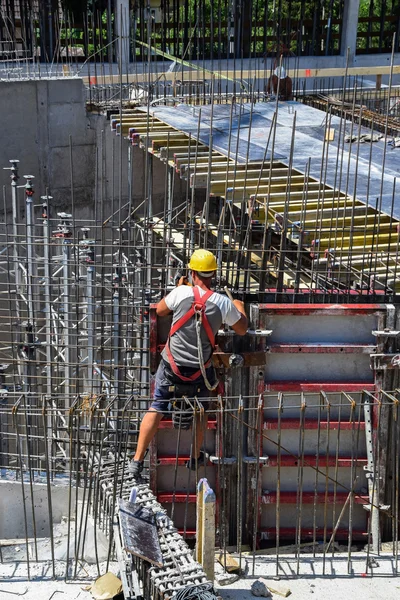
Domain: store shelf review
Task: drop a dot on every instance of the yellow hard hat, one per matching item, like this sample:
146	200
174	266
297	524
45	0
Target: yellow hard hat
203	261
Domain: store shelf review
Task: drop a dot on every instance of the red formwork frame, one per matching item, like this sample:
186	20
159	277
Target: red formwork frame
297	310
258	387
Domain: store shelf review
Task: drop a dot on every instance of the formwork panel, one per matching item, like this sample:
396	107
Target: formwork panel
184	515
311	515
318	367
340	406
344	442
329	329
185	479
167	442
326	479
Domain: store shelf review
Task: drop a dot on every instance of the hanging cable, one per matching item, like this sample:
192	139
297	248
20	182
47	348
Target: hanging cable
209	386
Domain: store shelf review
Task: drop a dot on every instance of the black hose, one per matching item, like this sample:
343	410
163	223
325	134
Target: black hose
202	591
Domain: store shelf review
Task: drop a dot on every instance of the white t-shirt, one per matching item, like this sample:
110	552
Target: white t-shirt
183	344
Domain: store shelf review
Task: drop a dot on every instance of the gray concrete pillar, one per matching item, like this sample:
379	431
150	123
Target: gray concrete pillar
122	20
349	29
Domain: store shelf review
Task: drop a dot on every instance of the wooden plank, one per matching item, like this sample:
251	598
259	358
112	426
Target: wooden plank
229	563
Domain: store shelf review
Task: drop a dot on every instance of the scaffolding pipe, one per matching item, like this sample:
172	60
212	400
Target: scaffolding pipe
46	285
66	251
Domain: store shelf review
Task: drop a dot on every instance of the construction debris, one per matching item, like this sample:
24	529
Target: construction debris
395	142
364	137
223	577
106	587
229	563
279	589
260	588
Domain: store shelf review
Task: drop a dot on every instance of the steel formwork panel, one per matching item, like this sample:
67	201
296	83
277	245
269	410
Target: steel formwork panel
319	441
310	484
327	430
319	367
311	514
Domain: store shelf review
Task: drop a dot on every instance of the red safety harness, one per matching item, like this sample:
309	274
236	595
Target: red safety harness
197	310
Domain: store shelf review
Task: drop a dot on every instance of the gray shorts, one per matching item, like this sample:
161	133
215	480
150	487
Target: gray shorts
165	378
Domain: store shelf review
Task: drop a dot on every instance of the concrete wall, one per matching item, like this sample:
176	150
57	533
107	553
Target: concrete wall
12	522
38	119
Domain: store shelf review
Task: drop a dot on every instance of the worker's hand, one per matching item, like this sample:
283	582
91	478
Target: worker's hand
183	281
240	306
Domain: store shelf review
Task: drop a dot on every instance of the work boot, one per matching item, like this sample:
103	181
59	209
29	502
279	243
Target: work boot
201	461
135	468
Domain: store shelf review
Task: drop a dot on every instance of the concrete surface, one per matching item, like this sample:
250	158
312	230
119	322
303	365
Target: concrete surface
39	118
59	590
310	584
336	583
14	582
12	508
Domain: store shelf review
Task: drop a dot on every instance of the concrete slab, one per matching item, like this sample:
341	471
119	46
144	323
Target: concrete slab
354	168
311	583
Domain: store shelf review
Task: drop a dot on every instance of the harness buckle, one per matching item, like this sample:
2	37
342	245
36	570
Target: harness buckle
198	307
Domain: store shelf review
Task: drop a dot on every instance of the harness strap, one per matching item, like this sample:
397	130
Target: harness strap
198	306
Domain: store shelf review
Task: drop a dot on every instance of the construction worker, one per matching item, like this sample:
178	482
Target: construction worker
184	360
279	79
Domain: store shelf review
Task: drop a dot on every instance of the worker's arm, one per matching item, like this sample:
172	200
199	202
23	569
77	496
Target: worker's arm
240	327
162	309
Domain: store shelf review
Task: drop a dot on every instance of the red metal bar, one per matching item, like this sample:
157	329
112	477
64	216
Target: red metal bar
180	497
171	460
321	309
313	424
305	386
311	497
286	461
311	461
166	423
190	534
154	356
322	348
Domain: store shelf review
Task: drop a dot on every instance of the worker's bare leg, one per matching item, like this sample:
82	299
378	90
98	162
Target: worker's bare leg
148	430
201	424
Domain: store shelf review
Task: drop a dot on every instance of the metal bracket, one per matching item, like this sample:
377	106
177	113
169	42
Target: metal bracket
381	362
259	332
386	333
381	507
253	460
219	460
369	473
253	332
